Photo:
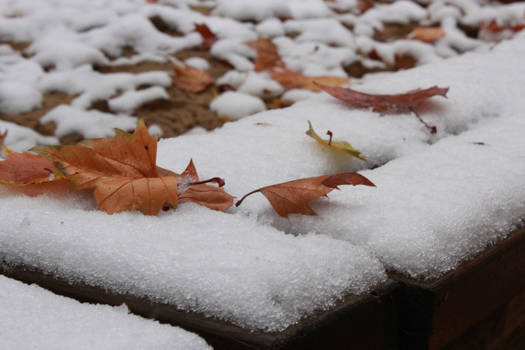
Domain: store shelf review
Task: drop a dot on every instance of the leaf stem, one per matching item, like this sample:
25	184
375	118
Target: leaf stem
330	134
246	195
220	182
431	128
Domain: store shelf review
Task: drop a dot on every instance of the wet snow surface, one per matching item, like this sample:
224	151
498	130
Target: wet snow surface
439	200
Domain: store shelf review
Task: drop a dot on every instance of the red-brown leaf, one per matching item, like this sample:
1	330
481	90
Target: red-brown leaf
384	103
267	54
292	197
208	37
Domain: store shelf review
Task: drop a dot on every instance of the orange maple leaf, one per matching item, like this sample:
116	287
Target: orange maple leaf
292	197
122	171
267	54
189	78
293	80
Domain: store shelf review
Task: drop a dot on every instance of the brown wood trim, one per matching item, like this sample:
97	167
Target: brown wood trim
434	313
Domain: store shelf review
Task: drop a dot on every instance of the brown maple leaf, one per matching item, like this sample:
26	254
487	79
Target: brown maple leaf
208	37
293	80
189	78
292	197
387	103
267	54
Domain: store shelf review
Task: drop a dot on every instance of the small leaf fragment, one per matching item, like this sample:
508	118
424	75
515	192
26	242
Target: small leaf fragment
292	197
427	34
340	146
208	37
26	168
267	54
293	80
189	78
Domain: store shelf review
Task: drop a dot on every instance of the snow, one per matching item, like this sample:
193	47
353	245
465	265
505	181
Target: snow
236	105
219	264
20	138
89	124
411	221
197	62
439	198
33	318
130	100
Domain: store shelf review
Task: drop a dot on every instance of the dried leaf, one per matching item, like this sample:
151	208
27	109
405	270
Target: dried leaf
427	34
267	54
208	37
293	80
340	146
495	28
292	197
388	103
190	79
384	103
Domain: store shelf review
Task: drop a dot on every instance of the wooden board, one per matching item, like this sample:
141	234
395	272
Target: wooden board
434	314
367	322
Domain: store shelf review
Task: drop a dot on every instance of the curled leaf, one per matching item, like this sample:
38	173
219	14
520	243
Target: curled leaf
190	79
292	197
293	80
267	54
340	146
388	103
384	103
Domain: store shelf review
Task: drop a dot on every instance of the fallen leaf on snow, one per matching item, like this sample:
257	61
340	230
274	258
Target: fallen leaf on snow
292	197
340	146
293	80
123	173
387	103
